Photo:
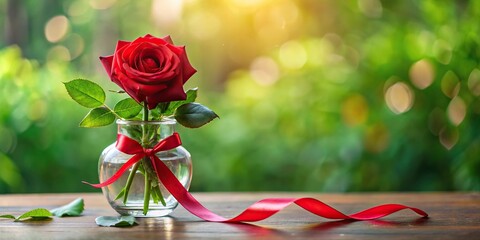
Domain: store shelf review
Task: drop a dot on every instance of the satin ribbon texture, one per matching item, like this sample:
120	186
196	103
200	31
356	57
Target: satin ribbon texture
256	212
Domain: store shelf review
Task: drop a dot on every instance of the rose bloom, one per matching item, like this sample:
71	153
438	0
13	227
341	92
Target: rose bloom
150	69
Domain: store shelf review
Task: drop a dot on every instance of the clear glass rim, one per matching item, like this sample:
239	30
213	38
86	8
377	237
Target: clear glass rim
139	122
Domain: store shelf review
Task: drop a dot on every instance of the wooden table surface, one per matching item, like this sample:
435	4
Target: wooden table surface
452	216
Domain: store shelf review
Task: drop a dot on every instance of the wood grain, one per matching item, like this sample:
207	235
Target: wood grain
452	216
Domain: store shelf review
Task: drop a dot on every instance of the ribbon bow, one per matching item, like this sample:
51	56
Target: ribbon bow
132	147
256	212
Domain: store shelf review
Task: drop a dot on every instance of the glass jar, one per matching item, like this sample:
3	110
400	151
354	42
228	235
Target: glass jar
160	201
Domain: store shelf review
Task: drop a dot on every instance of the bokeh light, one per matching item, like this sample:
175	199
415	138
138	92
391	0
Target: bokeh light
474	82
75	45
79	12
450	84
399	97
456	110
449	137
167	12
264	70
422	74
56	28
59	53
442	51
354	110
292	55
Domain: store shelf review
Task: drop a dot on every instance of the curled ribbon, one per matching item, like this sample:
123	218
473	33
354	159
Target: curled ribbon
255	212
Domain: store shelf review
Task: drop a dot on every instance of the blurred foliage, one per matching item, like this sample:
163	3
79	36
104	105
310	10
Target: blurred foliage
363	95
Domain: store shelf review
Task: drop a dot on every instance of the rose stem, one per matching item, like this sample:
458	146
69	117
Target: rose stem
129	181
146	196
146	200
131	176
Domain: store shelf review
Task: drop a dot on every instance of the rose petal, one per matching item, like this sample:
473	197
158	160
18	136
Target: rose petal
174	92
149	78
168	39
121	44
164	73
131	88
188	69
107	64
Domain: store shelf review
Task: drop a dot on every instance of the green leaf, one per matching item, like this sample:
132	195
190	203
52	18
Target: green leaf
120	221
120	194
194	115
7	216
191	96
35	214
98	117
159	195
74	208
86	93
127	108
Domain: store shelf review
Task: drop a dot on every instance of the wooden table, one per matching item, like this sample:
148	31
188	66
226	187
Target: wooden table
452	216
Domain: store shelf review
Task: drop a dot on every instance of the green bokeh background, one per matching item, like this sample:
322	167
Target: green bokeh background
323	96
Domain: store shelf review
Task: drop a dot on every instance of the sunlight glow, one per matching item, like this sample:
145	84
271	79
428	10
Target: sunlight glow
275	23
249	3
166	12
203	25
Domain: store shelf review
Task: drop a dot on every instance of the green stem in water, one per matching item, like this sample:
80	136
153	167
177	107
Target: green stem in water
159	194
149	170
129	181
146	200
131	176
146	196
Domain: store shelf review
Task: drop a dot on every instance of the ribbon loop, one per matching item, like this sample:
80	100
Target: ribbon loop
256	212
127	145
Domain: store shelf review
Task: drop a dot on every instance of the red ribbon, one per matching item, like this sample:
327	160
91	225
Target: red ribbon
256	212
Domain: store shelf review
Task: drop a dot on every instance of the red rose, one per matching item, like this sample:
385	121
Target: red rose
150	69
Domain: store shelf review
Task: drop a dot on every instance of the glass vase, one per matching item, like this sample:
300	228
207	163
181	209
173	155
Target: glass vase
160	201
